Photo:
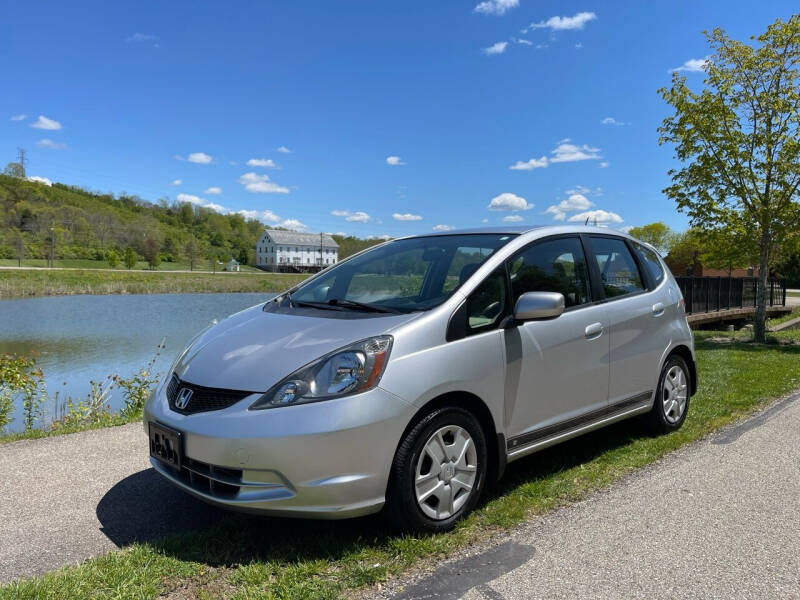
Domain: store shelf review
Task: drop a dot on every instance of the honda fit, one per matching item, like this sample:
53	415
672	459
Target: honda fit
407	376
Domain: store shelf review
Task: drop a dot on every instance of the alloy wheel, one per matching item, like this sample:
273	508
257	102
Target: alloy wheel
674	394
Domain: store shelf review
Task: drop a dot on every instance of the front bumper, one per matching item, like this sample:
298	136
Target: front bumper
328	459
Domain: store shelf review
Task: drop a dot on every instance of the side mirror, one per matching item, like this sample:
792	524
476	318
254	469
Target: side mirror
538	305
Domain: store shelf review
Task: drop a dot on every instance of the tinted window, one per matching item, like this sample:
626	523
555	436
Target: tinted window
404	275
486	305
618	270
555	265
651	263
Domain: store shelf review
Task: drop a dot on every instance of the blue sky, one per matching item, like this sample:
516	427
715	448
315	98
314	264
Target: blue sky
362	117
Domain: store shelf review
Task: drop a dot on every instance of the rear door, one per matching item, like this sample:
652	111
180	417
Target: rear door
637	309
556	370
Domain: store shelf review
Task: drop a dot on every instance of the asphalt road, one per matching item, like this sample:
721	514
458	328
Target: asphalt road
720	519
69	497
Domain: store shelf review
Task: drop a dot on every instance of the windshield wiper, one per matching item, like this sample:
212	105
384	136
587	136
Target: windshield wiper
322	305
361	305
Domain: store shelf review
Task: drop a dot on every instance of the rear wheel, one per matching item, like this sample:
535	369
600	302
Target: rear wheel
438	472
672	396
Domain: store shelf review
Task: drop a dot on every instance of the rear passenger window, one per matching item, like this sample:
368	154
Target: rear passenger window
618	270
557	265
651	263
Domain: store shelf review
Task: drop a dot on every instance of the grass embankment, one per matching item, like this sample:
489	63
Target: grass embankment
253	557
80	263
27	283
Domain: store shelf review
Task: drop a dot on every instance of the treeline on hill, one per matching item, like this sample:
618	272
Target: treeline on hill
123	229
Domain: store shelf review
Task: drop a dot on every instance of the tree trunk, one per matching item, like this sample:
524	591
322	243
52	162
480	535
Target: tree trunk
760	329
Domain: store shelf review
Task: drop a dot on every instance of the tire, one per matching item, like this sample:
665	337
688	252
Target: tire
671	402
441	432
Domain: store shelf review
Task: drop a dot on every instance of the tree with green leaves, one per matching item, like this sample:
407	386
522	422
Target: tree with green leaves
151	249
129	258
658	235
113	258
15	169
739	143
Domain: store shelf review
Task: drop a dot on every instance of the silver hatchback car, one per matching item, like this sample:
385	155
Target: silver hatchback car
408	375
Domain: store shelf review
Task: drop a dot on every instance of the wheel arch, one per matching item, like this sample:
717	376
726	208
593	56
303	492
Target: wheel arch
686	354
495	442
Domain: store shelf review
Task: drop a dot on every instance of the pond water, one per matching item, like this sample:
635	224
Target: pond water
77	339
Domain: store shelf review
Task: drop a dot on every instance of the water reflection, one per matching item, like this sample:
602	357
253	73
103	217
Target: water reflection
80	338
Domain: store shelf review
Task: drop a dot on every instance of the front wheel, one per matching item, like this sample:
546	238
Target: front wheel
438	471
672	396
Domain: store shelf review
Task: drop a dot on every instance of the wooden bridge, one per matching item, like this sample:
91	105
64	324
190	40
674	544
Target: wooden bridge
724	299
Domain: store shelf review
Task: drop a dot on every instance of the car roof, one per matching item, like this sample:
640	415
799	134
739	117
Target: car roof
522	229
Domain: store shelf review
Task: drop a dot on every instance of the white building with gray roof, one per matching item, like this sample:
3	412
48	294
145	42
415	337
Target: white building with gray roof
278	250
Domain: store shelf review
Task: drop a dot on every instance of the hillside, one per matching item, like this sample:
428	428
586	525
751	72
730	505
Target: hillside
91	226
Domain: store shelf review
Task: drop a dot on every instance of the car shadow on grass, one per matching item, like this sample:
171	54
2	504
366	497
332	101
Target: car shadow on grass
145	508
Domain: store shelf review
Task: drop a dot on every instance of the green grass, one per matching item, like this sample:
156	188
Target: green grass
81	263
247	557
793	294
782	319
26	283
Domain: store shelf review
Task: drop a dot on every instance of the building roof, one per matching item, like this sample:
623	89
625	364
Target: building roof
279	236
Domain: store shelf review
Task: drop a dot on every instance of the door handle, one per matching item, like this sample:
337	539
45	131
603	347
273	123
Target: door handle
658	309
593	331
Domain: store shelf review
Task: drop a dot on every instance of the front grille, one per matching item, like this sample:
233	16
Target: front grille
203	399
216	481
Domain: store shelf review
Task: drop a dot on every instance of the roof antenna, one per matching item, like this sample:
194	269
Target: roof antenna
586	222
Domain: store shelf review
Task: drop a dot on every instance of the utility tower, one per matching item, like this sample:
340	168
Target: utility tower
22	158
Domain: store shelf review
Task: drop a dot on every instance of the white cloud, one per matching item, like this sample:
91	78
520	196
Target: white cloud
574	202
261	162
529	165
177	182
44	123
200	158
513	218
564	23
604	164
522	41
497	48
568	152
582	189
213	190
141	37
18	117
443	227
356	217
578	46
38	179
191	199
260	184
50	144
496	7
612	121
598	215
216	207
627	228
293	224
484	220
693	65
284	150
406	217
265	216
509	201
395	161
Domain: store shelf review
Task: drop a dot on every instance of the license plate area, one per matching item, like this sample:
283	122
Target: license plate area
165	445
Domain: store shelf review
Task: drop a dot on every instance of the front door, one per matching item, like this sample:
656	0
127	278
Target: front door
556	370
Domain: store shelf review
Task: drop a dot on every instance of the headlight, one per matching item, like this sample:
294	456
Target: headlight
350	370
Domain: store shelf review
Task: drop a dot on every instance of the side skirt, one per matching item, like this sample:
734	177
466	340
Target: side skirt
527	443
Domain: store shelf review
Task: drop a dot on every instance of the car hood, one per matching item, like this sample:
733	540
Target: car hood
253	350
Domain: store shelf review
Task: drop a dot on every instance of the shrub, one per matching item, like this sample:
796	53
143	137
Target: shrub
19	376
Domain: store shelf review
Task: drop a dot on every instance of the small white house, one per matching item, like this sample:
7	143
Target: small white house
277	249
233	265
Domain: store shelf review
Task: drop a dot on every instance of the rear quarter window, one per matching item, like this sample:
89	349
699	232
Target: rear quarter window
651	263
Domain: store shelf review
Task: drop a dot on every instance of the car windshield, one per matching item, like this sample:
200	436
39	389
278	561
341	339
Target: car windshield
401	276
